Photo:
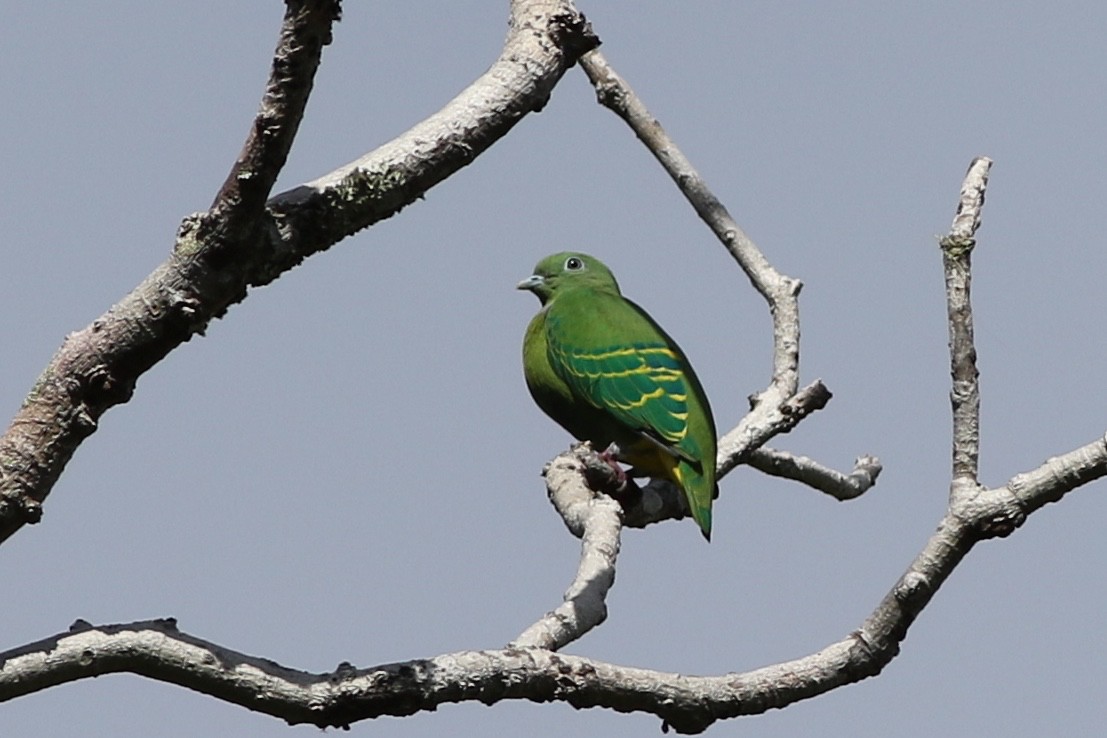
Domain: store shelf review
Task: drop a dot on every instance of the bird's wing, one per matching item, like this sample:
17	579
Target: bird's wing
615	357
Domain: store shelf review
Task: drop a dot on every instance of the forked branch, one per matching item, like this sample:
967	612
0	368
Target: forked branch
780	406
245	240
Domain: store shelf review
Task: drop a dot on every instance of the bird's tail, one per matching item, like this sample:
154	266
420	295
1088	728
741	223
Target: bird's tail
699	491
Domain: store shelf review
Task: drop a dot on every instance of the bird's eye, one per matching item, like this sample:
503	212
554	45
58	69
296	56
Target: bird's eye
574	264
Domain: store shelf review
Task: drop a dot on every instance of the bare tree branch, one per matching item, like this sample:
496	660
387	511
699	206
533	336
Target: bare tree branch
219	254
596	519
575	481
307	28
957	249
687	704
974	514
779	407
156	649
802	469
780	291
546	38
1058	476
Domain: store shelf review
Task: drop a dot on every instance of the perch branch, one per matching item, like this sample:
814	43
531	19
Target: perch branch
584	477
775	410
219	254
596	519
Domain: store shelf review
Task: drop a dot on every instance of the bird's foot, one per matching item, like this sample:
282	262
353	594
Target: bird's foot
603	472
611	456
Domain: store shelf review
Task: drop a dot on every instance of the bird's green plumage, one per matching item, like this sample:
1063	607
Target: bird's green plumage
602	368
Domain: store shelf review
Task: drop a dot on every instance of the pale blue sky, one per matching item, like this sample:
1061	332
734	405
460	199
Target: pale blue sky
346	466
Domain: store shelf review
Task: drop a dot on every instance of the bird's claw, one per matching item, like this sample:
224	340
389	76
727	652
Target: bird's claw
603	471
611	456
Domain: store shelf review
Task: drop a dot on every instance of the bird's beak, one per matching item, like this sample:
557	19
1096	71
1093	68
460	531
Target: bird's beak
531	282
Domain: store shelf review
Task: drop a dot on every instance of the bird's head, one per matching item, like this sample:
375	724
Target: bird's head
568	270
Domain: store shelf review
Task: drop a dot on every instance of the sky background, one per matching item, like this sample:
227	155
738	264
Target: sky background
346	467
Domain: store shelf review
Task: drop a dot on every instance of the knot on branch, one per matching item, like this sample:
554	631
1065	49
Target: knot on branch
80	625
807	400
610	94
100	388
869	653
1002	524
912	590
687	722
573	33
20	506
957	247
344	672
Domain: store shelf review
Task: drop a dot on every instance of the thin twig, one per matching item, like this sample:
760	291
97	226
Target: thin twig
768	416
957	249
810	472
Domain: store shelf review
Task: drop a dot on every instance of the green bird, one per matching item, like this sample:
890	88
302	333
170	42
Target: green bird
606	372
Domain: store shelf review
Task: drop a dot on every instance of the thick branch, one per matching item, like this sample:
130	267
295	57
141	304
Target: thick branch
220	253
546	38
975	515
156	649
